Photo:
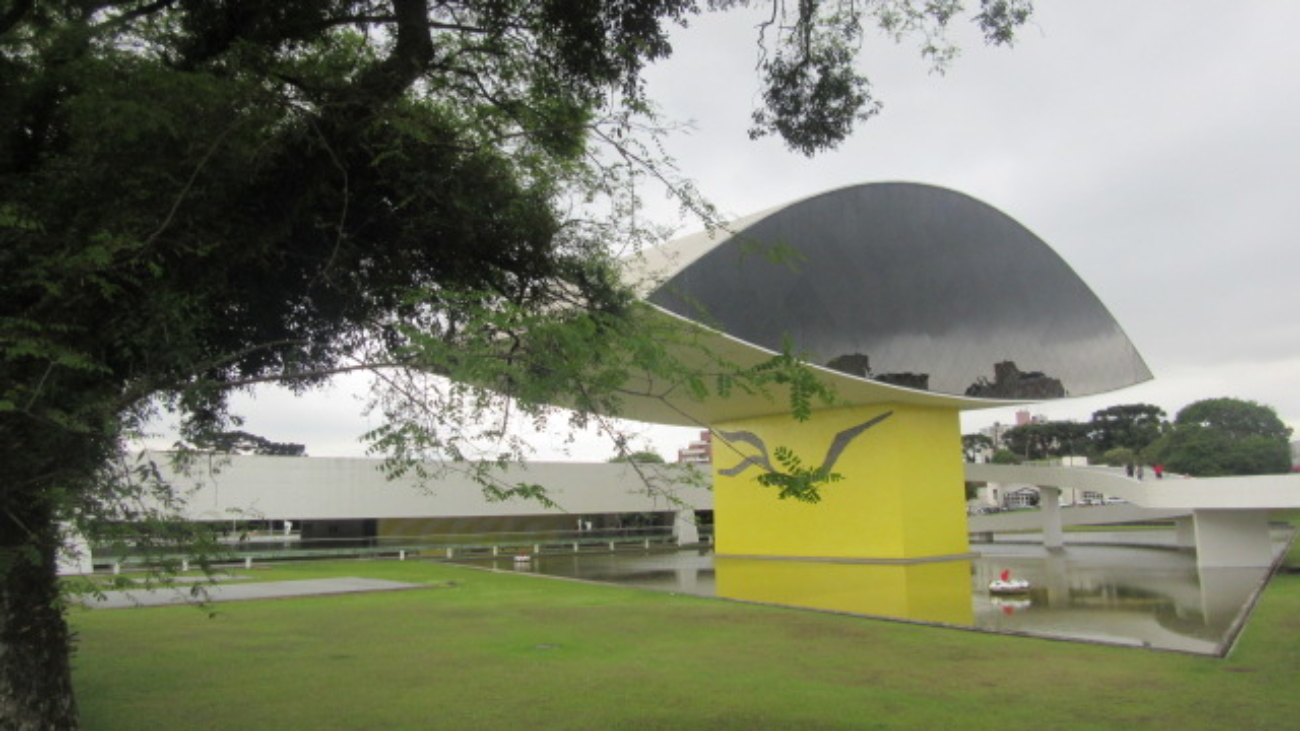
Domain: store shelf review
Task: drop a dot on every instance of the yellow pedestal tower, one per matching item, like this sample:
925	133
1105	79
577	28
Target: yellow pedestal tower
900	497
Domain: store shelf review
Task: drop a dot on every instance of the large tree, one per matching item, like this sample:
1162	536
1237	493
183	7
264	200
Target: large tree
1129	426
975	445
1225	436
199	196
1048	439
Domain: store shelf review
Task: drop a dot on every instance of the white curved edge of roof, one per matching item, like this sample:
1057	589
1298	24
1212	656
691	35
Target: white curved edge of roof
849	390
650	268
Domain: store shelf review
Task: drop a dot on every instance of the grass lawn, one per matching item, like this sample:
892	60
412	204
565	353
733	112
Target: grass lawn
476	650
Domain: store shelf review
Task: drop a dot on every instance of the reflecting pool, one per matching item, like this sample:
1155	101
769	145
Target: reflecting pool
1143	597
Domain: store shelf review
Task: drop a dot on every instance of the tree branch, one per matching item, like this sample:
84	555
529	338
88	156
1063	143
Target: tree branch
130	15
410	57
14	15
184	192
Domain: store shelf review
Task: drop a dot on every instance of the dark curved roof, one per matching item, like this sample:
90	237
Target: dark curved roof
907	284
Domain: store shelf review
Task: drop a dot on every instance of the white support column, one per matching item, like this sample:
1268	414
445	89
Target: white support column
1185	532
1232	538
1055	572
992	495
684	528
1224	590
687	579
1049	504
74	555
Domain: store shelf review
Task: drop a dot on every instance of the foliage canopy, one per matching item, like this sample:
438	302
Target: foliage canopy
1225	436
196	197
1128	426
641	456
1209	438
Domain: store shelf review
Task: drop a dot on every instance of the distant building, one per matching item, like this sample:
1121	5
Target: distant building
699	451
996	433
1024	418
1021	497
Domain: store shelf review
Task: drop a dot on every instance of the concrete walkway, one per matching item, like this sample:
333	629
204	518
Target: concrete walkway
1225	518
1155	538
169	596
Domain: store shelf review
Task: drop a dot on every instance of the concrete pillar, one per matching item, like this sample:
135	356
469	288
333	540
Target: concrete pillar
1224	591
1049	504
688	579
1232	538
1055	574
74	555
684	529
1185	532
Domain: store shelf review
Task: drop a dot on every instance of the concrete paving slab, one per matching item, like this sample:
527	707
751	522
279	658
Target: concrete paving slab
243	592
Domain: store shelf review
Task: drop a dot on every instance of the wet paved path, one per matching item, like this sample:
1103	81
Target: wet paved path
235	592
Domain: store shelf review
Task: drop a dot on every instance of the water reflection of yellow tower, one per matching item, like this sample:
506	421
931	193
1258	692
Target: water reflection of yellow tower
923	592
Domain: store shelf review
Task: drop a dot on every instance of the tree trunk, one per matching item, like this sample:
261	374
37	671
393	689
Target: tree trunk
35	645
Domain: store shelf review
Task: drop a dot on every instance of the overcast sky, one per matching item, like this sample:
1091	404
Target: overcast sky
1154	145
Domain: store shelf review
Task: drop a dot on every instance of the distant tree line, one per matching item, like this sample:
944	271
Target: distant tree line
1209	438
643	456
241	442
